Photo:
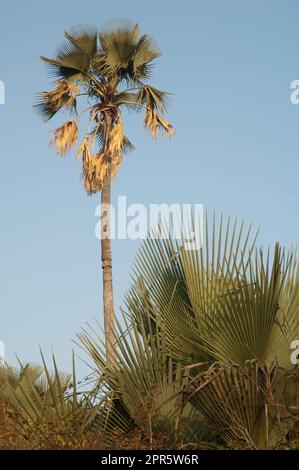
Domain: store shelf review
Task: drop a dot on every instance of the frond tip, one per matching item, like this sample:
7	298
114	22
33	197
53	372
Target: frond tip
154	122
65	137
126	54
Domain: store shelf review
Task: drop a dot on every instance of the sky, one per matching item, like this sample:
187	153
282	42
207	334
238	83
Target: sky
228	64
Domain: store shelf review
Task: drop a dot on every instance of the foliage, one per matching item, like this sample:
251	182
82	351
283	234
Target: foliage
202	357
46	410
111	69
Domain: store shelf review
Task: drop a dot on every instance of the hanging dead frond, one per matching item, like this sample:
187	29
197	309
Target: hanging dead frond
153	98
151	122
154	123
103	165
65	137
63	96
94	166
94	171
166	127
115	143
83	149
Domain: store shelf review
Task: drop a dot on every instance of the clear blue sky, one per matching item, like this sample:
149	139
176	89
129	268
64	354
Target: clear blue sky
229	65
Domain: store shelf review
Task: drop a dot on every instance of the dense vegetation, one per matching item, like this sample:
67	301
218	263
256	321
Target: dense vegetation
202	358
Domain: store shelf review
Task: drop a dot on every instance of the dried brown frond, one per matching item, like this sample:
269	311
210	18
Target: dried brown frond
154	122
115	145
63	96
94	171
83	149
116	137
65	137
105	164
166	127
151	122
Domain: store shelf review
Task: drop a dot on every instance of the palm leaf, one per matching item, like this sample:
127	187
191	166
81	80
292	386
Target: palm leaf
247	404
72	59
126	54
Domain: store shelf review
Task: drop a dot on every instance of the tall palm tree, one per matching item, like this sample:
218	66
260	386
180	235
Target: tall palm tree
111	70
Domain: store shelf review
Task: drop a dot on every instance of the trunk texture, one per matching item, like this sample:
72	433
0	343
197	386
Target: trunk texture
108	300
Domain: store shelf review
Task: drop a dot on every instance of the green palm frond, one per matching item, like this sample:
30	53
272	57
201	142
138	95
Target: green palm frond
226	300
129	100
231	303
128	55
248	405
127	145
241	323
153	98
84	37
180	286
73	57
144	383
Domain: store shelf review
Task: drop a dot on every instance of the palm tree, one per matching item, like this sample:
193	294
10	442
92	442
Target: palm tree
111	70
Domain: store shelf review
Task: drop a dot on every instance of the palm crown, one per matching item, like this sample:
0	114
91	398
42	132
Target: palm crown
112	70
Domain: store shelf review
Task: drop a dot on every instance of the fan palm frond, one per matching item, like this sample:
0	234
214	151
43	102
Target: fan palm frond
143	384
180	286
72	60
154	99
248	405
127	54
84	37
63	96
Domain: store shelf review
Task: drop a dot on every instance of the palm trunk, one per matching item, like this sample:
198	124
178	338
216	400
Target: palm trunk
108	301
